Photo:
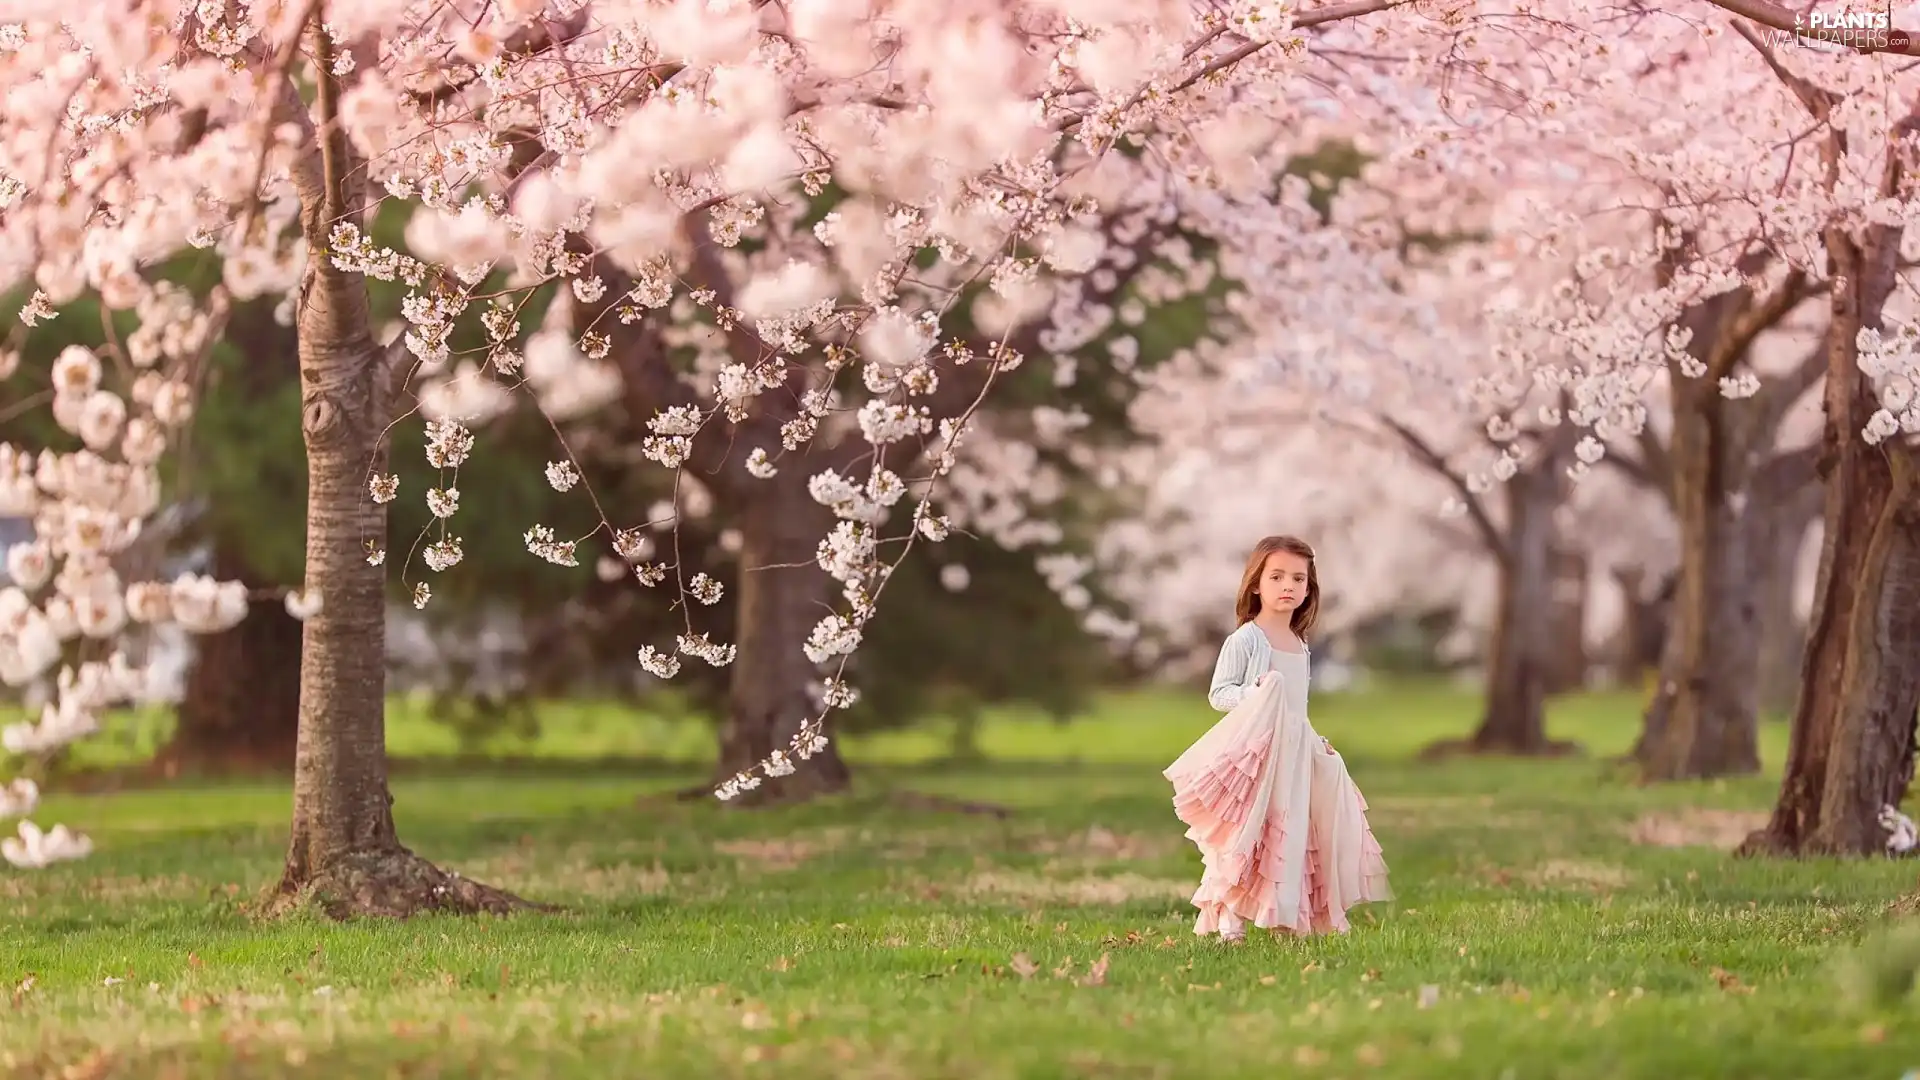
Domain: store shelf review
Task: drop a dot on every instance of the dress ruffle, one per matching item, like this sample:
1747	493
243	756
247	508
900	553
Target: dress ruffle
1340	864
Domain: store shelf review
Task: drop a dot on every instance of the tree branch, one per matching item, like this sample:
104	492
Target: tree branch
1817	100
960	387
1490	535
648	381
1749	321
1896	41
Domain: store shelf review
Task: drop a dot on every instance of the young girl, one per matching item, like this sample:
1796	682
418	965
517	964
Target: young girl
1282	830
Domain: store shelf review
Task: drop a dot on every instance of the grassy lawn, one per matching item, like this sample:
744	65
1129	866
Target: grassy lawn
1553	921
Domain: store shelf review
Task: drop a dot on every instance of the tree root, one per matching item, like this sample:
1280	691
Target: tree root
394	884
1765	843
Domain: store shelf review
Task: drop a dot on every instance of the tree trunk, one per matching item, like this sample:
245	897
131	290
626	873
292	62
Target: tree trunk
1851	751
344	852
1852	746
1703	721
1517	674
1780	530
1567	656
241	709
1641	637
782	594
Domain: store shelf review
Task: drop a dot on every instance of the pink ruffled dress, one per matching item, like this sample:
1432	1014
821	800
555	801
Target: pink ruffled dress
1282	829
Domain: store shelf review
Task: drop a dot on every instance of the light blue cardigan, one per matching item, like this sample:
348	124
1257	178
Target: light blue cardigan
1244	657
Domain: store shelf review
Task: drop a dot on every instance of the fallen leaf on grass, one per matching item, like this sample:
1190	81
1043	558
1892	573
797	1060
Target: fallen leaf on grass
1023	965
92	1067
1730	982
1097	974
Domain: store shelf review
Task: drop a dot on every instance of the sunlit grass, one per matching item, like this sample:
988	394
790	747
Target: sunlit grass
1536	934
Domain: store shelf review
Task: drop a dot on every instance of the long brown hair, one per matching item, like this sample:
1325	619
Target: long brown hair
1247	604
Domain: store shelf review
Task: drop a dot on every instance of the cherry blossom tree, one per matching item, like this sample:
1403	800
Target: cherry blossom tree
822	182
1749	226
66	600
1744	223
1853	740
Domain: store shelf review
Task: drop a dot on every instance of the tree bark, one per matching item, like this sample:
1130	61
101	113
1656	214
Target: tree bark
1517	674
783	593
1567	659
1642	635
241	708
1851	751
344	852
1704	715
1783	513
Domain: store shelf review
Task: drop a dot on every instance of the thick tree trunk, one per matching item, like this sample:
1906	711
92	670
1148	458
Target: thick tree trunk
782	594
1703	721
1567	659
1852	746
344	852
1518	669
241	709
1851	751
1780	530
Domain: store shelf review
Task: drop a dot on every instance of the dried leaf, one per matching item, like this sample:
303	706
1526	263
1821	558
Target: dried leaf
1730	982
1023	965
1097	974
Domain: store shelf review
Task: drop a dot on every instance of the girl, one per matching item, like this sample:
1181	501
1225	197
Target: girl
1282	830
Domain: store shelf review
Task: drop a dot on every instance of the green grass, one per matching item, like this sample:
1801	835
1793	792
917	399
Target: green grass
1533	937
